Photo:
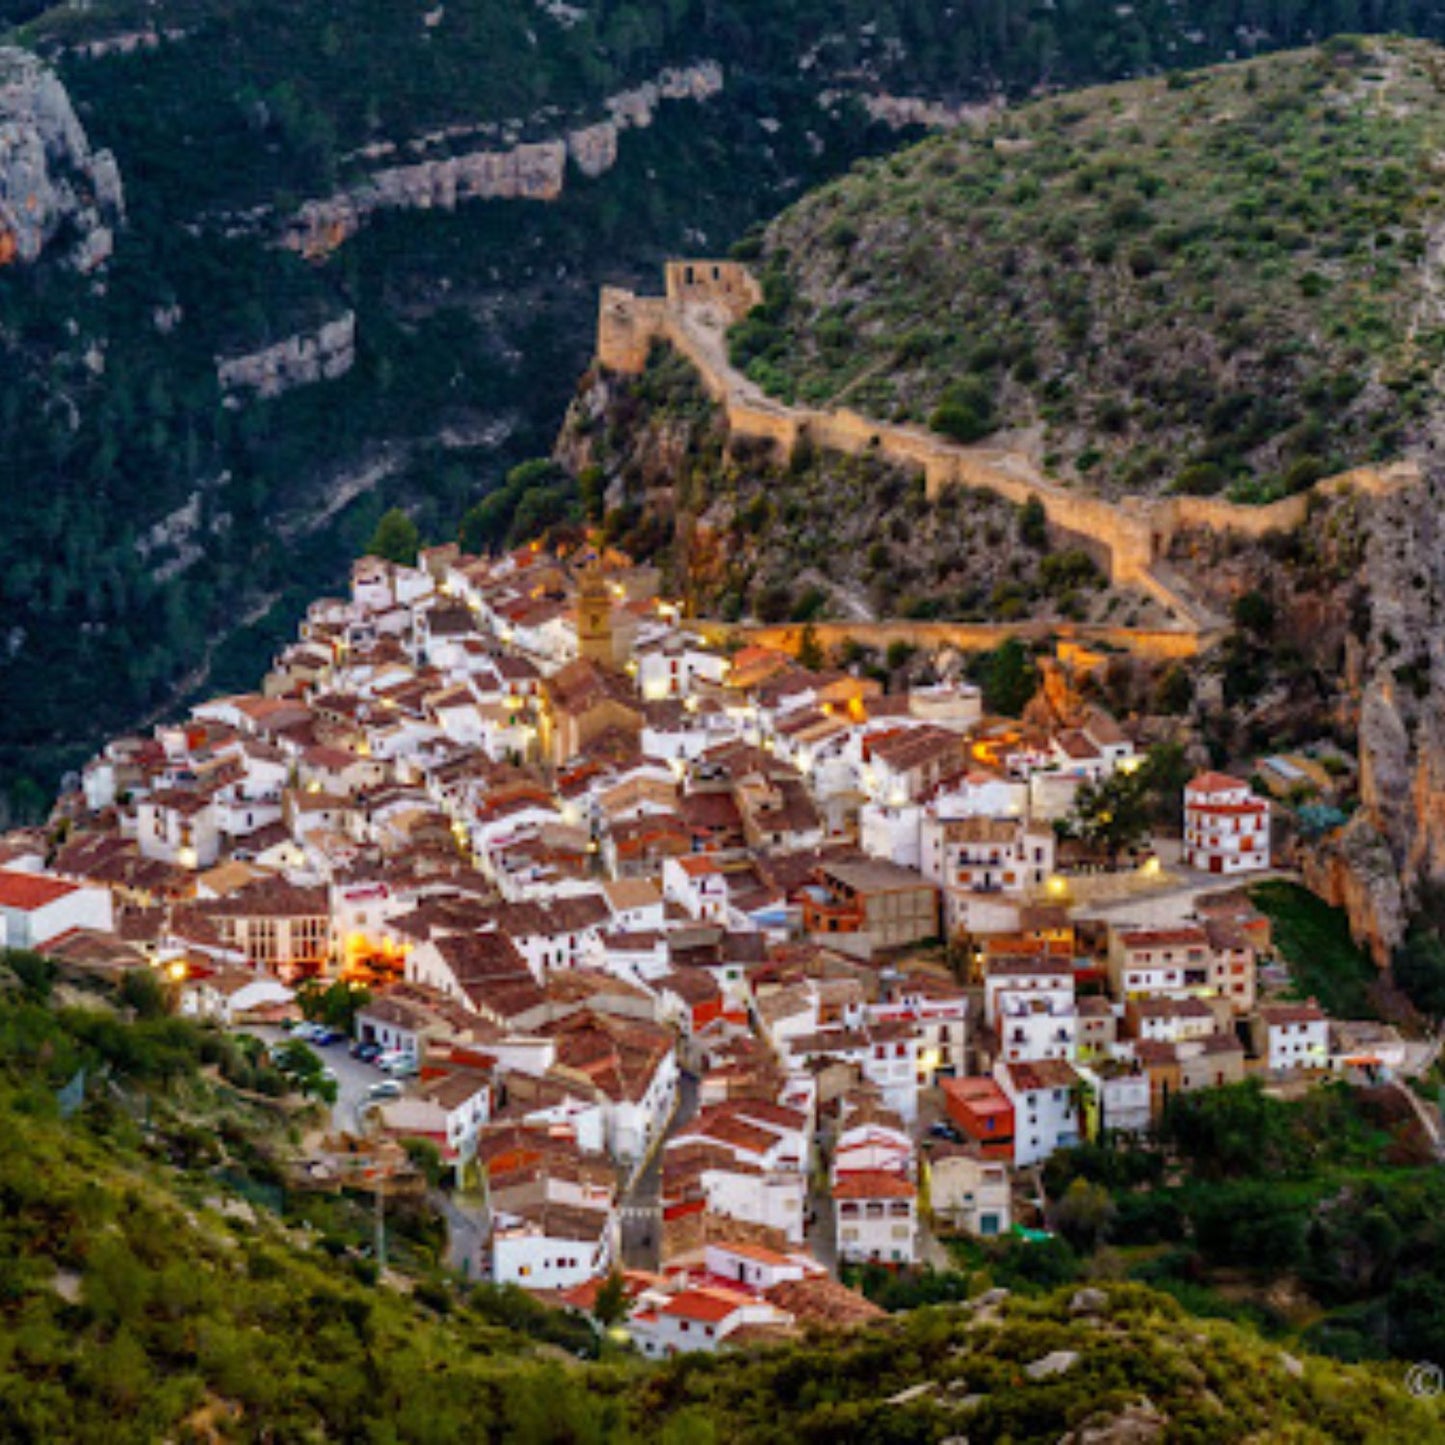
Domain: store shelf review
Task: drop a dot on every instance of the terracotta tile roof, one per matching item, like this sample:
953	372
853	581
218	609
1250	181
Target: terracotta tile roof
25	892
820	1300
1042	1074
872	1184
707	1306
1206	783
1163	938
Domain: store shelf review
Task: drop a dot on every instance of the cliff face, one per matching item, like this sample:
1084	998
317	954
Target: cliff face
1397	844
321	355
48	172
531	171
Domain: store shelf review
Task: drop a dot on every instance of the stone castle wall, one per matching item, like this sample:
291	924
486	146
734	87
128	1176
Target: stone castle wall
1134	532
1159	644
726	285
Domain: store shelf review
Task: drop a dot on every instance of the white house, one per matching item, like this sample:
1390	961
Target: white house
448	1109
233	994
1120	1096
1226	828
1037	1025
179	827
696	884
892	831
877	1218
551	1246
699	1319
1292	1036
1046	1107
1047	978
1007	855
873	1146
756	1267
775	1200
35	909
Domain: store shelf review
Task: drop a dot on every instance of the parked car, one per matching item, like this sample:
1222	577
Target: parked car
942	1130
387	1057
324	1037
384	1089
366	1052
405	1067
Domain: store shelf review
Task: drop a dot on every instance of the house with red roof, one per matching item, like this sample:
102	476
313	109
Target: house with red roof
701	1318
876	1213
983	1113
1226	827
36	909
696	884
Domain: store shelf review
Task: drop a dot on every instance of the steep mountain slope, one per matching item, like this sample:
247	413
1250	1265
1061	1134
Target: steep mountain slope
1221	282
168	509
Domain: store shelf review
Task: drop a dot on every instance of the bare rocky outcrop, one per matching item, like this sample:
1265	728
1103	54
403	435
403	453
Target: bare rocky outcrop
902	112
530	171
48	173
321	355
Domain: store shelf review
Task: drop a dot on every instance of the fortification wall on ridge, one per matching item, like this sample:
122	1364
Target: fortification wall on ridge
1134	532
1158	644
727	286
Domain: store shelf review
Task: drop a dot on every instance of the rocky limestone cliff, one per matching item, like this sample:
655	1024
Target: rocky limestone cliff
48	173
321	355
1397	842
530	171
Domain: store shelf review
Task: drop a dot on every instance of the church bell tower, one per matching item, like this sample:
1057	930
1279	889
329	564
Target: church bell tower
594	617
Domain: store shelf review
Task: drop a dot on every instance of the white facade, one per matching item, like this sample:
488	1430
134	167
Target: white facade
776	1199
181	831
876	1223
36	909
892	831
523	1255
1295	1038
1045	1113
633	1124
1037	1025
1226	828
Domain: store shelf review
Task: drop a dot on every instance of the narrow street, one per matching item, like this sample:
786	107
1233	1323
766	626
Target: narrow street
639	1210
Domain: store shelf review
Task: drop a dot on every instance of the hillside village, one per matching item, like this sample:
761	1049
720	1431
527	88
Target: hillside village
720	970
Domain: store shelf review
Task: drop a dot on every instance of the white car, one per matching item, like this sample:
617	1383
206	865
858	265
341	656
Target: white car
406	1067
386	1089
384	1061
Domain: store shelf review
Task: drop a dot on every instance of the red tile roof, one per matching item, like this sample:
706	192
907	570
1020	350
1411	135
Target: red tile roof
708	1306
28	891
871	1184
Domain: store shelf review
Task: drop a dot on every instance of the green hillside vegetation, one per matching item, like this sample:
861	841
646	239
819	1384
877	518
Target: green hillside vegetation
1218	282
157	1280
1318	1218
1314	939
742	532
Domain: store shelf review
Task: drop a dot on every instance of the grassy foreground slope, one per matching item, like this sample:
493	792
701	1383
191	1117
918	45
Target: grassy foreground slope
140	1301
1222	281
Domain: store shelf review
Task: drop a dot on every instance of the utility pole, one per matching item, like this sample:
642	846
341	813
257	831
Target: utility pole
381	1178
